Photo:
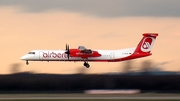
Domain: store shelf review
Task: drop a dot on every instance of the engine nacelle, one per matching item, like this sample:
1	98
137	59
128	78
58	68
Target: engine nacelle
84	53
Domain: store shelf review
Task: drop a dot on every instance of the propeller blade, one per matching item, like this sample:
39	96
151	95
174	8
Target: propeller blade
68	56
66	47
67	51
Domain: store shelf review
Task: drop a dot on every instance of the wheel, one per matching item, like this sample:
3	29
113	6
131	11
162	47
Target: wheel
87	66
27	63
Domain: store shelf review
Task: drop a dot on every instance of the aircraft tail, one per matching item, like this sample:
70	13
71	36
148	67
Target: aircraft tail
146	44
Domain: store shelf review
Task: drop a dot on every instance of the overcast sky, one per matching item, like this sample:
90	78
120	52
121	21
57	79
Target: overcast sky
101	8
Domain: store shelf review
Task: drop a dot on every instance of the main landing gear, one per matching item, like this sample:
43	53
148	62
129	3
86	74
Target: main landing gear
86	64
27	63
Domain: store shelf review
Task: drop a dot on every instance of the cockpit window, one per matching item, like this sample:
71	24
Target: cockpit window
31	53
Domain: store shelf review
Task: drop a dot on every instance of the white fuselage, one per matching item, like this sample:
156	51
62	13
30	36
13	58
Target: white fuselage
59	55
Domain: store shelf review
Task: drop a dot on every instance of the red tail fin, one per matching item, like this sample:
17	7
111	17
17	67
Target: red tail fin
146	44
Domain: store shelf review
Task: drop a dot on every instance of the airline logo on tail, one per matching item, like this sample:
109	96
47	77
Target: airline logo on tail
147	44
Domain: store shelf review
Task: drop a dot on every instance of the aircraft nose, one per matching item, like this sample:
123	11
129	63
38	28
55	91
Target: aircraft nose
24	57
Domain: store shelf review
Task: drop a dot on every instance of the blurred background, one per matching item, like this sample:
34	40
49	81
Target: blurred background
96	24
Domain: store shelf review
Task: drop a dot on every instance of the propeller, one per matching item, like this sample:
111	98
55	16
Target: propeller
67	51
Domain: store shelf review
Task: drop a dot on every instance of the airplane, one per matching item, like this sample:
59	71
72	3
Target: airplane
85	55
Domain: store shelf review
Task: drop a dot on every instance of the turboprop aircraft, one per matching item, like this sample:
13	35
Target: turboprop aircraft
85	55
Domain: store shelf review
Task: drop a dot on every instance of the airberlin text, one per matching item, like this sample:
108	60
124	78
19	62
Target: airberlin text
54	55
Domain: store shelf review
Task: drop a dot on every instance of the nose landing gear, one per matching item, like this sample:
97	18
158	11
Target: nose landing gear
27	63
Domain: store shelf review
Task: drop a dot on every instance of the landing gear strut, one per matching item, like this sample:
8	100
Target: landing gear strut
86	64
27	63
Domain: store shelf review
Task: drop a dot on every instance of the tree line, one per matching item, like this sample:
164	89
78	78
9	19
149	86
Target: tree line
78	82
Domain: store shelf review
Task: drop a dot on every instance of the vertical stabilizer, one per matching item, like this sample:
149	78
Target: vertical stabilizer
146	43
